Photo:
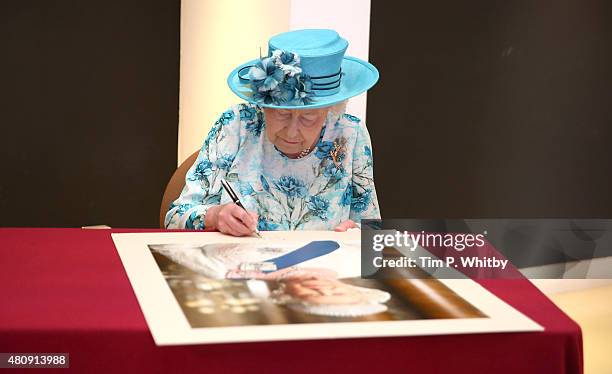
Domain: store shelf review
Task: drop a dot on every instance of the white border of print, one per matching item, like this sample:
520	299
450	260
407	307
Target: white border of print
169	326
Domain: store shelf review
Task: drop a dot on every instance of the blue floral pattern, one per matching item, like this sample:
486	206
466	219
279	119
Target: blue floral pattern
227	117
360	201
347	196
264	183
252	119
246	189
319	207
333	171
202	170
290	186
225	161
318	192
351	118
324	148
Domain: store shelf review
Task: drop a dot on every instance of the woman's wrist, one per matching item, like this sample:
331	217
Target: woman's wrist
210	218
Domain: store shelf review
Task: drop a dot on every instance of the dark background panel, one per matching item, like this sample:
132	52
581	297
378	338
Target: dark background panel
89	111
492	108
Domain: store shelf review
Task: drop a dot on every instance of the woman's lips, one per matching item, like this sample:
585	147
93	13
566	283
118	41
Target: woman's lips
289	142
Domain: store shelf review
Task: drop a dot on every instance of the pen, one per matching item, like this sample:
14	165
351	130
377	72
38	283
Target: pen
235	199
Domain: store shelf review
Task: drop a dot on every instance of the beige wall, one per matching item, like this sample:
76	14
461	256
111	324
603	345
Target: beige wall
217	36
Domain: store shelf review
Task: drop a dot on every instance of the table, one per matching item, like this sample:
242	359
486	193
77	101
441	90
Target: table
65	290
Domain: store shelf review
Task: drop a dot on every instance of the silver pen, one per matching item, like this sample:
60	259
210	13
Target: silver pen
235	199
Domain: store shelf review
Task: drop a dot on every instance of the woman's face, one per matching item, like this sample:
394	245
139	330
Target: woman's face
293	130
323	291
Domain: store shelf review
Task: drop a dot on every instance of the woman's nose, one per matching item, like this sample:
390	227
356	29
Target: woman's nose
292	128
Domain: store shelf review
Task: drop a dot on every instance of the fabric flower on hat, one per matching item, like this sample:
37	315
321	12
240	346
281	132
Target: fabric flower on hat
295	90
303	90
288	62
278	80
265	75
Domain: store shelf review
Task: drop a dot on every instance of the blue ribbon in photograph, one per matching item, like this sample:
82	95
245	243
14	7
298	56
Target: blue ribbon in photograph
308	252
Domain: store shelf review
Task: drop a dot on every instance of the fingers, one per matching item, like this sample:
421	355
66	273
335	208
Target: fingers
348	224
235	221
255	217
249	219
341	227
237	227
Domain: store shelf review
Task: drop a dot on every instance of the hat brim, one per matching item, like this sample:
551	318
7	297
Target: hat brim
359	76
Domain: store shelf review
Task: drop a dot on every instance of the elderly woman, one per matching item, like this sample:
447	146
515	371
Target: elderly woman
295	158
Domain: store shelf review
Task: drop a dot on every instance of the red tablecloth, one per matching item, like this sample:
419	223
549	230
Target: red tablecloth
65	290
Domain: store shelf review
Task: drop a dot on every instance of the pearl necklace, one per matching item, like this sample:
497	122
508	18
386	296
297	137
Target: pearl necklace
304	153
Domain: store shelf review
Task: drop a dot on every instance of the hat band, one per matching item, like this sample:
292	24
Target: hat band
323	88
327	76
243	75
326	85
327	89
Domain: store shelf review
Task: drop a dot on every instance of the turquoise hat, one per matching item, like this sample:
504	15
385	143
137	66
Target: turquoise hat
303	69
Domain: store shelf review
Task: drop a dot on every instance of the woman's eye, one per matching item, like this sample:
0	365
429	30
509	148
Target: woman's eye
308	120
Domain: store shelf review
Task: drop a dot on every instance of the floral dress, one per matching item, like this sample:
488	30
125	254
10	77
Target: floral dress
330	185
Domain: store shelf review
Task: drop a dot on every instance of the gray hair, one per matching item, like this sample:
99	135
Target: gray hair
336	111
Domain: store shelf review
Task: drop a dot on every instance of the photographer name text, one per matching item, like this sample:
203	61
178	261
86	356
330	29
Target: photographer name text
434	262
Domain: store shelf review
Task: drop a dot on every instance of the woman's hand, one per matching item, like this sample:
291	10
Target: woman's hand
348	224
231	219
